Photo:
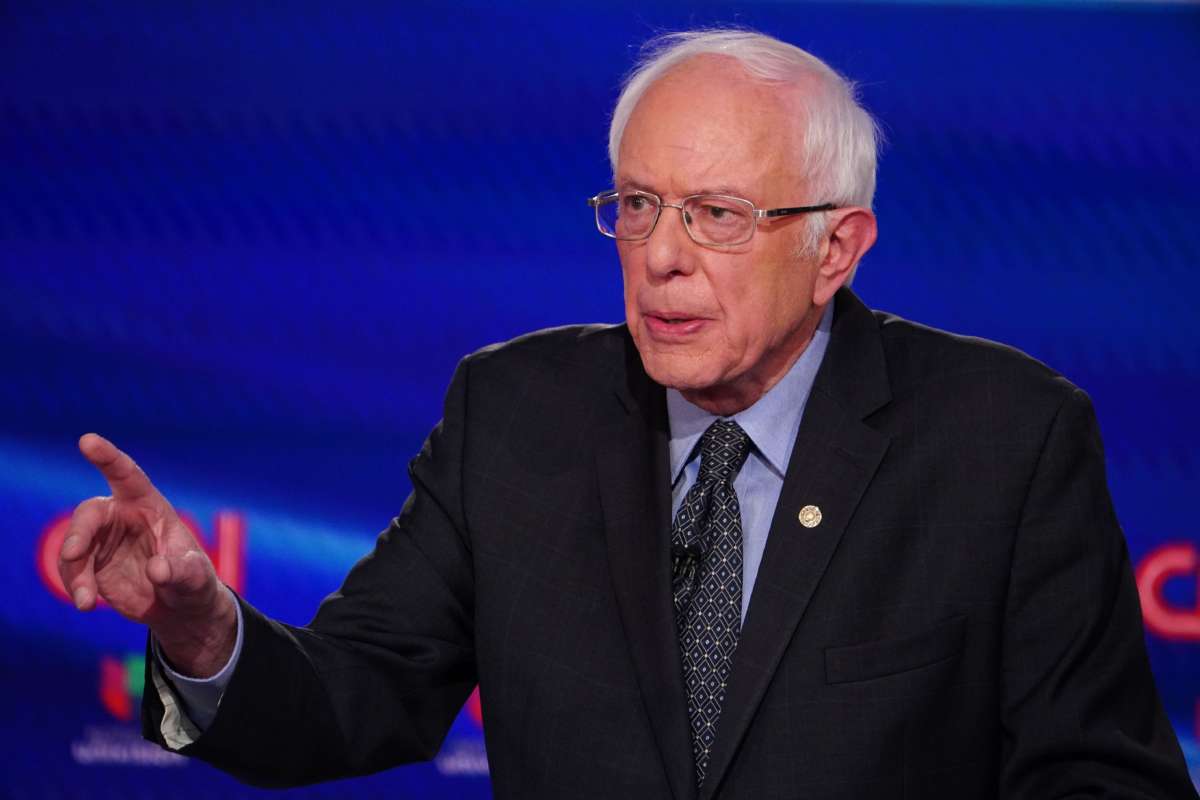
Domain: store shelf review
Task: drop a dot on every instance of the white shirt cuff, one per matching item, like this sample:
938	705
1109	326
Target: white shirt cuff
190	704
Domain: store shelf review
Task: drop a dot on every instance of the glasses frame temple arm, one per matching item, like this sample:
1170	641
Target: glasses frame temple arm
787	212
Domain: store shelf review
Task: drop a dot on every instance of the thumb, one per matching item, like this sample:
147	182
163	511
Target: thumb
181	578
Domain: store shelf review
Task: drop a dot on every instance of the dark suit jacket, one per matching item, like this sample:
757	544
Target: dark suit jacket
962	623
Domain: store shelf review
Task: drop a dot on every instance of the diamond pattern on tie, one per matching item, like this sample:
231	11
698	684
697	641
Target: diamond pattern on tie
708	597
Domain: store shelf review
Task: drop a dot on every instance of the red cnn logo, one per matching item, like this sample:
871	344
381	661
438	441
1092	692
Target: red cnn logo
1173	560
227	550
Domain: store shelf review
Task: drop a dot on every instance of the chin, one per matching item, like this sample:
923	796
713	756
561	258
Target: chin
676	372
692	366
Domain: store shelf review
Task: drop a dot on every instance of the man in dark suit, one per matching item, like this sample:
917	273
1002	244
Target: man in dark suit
757	542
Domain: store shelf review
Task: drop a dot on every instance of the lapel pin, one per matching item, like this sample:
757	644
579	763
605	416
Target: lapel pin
810	516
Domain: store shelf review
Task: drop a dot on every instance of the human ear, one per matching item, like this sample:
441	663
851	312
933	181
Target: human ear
850	233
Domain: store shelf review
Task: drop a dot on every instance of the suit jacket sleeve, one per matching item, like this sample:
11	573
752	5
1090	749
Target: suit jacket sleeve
380	673
1080	715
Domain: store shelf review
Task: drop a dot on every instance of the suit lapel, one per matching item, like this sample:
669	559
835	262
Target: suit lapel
634	474
834	459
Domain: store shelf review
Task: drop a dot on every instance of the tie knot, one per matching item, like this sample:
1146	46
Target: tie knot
723	450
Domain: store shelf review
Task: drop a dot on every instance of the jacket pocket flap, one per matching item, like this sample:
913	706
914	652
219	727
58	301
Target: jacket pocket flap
860	662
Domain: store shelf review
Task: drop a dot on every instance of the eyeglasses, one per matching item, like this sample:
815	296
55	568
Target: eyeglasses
716	220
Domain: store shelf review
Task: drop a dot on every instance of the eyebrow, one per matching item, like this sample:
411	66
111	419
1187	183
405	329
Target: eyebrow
733	191
736	191
636	185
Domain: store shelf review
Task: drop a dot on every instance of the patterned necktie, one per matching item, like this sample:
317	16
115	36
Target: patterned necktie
707	584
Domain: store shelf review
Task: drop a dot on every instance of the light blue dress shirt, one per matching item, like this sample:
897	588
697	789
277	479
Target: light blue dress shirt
772	424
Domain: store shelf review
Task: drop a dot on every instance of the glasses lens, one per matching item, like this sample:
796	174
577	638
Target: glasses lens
714	219
627	216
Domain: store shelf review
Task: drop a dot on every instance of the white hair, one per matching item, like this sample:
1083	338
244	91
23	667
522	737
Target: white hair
839	140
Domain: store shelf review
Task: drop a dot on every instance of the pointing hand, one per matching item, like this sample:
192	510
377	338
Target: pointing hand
132	550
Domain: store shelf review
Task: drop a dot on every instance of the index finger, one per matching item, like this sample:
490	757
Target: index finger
125	478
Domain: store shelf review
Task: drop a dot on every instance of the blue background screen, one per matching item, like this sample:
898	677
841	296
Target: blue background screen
250	243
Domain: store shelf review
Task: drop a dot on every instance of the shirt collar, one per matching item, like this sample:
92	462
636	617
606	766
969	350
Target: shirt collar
771	423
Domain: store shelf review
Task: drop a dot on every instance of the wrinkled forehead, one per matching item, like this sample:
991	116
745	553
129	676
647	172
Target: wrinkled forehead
707	123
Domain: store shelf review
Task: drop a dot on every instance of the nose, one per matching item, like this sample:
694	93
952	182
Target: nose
669	250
